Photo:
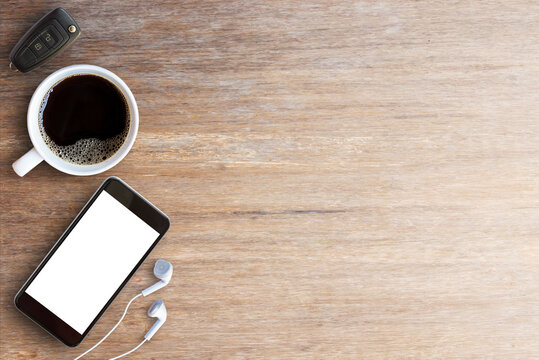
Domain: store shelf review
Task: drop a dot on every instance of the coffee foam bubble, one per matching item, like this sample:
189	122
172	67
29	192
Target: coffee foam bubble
84	151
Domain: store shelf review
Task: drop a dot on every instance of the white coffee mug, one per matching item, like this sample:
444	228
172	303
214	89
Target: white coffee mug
41	151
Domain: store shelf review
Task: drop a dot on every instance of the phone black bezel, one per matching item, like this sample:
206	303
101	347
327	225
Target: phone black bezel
140	207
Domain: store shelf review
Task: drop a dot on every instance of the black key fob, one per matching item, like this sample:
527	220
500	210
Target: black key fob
44	40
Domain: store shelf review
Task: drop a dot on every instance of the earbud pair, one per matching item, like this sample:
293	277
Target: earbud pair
163	271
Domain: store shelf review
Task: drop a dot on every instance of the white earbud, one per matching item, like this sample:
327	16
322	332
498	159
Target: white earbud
159	311
163	271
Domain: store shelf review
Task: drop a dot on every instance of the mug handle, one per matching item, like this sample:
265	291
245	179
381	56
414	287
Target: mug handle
27	162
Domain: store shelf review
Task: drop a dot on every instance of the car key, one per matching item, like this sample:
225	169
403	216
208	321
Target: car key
44	40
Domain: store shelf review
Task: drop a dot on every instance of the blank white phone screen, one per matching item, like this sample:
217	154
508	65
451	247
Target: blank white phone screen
92	262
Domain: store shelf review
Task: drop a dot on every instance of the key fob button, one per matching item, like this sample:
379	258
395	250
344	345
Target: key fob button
48	38
26	58
58	38
38	47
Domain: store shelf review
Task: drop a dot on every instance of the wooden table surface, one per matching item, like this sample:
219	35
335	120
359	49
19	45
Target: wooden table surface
345	180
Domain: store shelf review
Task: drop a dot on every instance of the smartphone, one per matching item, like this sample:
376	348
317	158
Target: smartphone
92	261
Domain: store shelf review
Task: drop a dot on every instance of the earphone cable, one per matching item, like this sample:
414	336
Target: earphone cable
111	330
130	351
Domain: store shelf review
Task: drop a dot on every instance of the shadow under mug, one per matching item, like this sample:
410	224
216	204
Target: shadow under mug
41	151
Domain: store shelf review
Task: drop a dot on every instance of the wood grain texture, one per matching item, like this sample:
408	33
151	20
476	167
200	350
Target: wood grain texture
345	180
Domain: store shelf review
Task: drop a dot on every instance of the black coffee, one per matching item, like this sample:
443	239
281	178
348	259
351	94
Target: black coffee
84	119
